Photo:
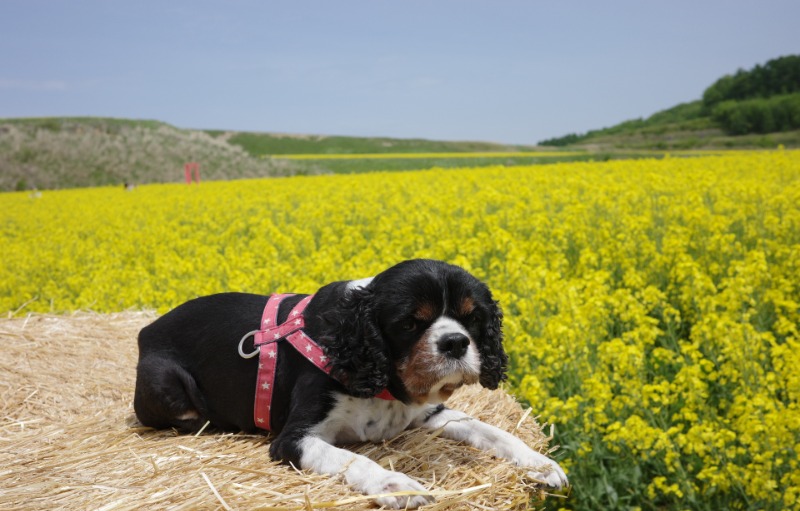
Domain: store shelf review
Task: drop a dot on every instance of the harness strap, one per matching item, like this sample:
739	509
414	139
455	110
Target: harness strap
265	341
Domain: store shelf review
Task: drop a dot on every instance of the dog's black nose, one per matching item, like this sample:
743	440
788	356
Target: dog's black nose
453	345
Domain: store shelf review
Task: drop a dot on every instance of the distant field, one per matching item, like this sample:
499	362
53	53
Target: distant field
362	163
678	137
389	162
475	155
258	144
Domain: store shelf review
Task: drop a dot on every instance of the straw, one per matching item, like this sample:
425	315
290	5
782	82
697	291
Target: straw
69	438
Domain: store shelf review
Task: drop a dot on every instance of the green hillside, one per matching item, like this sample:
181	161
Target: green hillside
749	109
259	144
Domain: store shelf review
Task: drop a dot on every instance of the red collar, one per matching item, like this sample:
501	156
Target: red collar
265	341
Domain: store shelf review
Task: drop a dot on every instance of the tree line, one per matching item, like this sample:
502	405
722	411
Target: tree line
764	99
779	76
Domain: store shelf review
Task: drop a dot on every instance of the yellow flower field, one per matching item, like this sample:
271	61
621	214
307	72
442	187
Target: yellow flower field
652	306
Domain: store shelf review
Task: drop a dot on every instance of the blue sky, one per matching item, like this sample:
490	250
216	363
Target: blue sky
505	71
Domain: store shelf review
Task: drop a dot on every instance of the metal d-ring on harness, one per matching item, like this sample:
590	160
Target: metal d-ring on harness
241	343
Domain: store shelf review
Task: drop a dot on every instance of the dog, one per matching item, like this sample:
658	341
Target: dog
357	361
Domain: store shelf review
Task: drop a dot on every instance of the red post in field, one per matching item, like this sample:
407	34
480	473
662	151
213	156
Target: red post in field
190	168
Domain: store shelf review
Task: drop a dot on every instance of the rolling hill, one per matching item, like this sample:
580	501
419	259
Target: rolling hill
757	108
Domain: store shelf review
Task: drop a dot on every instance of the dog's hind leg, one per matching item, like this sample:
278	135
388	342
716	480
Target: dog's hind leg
167	396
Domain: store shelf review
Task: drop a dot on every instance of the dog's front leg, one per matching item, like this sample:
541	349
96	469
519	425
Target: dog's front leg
360	472
463	428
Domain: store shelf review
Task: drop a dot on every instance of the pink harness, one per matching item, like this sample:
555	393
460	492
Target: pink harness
265	341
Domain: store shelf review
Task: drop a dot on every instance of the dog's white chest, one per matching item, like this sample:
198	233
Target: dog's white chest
360	420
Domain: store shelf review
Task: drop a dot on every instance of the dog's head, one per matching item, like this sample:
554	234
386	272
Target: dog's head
423	325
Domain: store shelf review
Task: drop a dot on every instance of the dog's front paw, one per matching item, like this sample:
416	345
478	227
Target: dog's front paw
554	477
395	482
545	470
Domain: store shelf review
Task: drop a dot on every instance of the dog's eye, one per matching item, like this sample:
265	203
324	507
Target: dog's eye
410	325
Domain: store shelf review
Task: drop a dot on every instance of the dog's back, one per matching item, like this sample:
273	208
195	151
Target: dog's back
189	357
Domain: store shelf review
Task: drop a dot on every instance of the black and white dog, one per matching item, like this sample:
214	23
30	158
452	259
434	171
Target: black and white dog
418	330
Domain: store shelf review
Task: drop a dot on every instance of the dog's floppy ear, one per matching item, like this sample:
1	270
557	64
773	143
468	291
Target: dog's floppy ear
493	358
356	349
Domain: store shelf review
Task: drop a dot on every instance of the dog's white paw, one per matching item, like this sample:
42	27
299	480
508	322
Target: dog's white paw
554	478
392	482
546	470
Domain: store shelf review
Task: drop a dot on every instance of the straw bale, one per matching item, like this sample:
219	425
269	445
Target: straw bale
69	438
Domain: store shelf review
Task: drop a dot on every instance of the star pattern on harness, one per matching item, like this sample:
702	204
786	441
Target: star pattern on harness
272	332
